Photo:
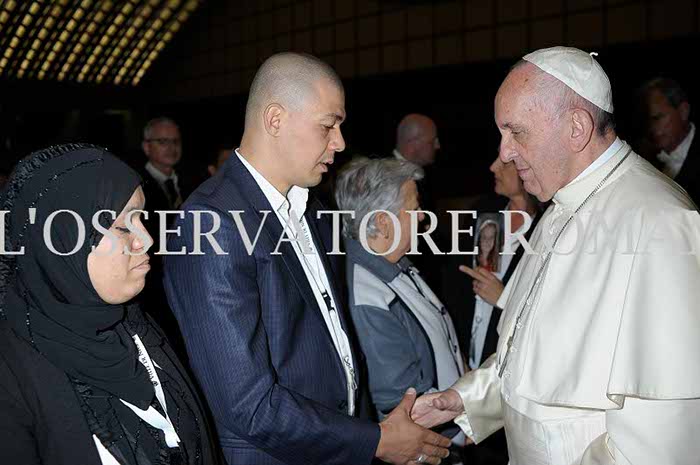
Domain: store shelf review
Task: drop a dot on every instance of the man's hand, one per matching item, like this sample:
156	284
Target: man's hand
437	408
486	285
404	442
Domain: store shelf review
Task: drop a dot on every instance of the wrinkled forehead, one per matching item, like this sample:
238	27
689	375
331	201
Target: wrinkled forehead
517	96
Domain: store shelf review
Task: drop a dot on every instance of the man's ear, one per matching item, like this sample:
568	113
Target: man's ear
144	144
684	109
272	119
582	127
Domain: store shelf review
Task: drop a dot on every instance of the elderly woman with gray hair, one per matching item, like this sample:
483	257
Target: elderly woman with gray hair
404	330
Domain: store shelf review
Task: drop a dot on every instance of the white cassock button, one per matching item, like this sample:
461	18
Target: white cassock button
506	397
506	375
528	302
518	325
513	350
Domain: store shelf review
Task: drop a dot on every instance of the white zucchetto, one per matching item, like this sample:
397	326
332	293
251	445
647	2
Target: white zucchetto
578	70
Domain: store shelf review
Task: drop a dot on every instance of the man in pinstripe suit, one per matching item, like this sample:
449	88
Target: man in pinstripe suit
265	325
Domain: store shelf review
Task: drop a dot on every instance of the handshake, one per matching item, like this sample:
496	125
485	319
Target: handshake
405	438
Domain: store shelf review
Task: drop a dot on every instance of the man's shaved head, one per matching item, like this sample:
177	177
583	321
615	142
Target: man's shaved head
292	127
416	139
288	79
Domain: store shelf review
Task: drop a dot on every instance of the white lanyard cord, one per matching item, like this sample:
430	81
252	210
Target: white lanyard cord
336	326
152	416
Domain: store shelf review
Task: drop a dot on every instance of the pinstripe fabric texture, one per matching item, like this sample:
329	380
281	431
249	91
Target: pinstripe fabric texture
256	338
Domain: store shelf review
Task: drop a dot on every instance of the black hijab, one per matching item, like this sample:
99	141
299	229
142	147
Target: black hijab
48	299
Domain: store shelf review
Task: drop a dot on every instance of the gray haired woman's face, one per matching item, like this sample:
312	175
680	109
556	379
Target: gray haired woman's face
410	202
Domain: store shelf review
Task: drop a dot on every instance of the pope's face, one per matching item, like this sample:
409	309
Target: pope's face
531	136
312	135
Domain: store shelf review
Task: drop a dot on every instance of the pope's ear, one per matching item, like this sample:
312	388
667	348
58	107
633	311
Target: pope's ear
272	119
582	127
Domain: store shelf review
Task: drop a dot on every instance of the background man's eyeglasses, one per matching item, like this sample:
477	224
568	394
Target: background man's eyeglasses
165	141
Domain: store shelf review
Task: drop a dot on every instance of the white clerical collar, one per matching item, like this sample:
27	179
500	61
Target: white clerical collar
679	154
297	196
398	155
605	156
577	190
158	175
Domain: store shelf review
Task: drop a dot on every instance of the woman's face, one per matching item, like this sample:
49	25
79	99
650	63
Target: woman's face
487	240
117	276
506	179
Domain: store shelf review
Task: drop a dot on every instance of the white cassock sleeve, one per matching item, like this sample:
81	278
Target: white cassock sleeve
649	432
480	391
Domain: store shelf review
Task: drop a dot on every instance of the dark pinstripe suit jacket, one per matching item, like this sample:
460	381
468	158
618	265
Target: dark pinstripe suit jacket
256	338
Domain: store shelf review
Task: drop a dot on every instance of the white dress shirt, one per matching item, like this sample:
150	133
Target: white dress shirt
673	162
161	177
284	207
398	155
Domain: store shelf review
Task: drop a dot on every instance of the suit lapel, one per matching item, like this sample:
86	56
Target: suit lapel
322	247
322	250
241	177
690	171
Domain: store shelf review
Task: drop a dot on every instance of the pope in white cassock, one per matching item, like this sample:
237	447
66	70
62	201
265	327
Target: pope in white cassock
598	360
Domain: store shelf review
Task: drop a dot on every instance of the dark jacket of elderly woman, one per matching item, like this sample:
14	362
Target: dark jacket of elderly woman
85	378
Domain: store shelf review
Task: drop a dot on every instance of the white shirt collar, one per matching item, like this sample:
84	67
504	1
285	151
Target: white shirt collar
677	156
297	196
158	175
398	155
600	161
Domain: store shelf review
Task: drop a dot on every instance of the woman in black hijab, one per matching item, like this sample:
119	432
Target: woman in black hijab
85	377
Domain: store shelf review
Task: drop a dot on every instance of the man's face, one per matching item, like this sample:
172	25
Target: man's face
427	145
668	125
312	136
163	147
530	136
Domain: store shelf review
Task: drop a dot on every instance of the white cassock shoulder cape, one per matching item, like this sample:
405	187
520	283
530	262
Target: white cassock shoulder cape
604	367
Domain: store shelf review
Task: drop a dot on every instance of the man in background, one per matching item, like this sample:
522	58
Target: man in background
670	128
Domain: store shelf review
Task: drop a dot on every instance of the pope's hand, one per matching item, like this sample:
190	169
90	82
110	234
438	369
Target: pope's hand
437	408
